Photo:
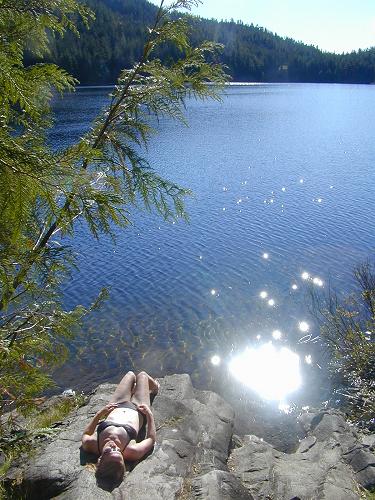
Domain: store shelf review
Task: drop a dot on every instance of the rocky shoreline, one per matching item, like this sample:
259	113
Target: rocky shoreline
198	456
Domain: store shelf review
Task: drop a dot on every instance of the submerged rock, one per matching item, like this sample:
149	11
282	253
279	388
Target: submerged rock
198	457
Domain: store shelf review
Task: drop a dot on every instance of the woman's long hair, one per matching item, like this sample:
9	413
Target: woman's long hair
109	474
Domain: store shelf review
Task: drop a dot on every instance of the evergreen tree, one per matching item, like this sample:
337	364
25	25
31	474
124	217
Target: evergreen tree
44	193
251	53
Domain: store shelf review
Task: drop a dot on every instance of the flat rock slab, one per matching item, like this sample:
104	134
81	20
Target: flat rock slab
194	430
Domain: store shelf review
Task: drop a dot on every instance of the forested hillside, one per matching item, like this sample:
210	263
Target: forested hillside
115	40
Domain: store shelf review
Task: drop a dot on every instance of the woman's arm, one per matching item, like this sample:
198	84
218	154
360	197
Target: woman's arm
151	429
89	443
106	410
138	450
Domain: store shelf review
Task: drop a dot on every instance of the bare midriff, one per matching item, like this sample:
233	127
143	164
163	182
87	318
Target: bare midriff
125	416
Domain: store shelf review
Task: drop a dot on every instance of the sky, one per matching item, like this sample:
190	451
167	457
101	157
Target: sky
332	25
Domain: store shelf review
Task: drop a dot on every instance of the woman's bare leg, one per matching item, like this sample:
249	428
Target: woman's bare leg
141	394
123	391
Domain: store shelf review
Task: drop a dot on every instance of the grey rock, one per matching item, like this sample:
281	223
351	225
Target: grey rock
306	444
362	461
194	430
198	457
328	464
219	485
236	441
368	440
305	420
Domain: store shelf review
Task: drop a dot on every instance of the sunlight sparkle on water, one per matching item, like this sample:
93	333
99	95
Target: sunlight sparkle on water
276	334
263	295
271	302
303	326
215	360
272	373
308	359
318	282
284	407
294	287
213	292
305	275
265	255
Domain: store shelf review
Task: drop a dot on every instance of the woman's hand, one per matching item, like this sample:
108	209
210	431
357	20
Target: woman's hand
151	431
145	409
106	410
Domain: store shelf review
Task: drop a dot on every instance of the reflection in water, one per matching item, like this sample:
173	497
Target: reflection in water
303	326
272	373
318	282
285	408
305	275
263	295
276	334
271	302
308	359
215	360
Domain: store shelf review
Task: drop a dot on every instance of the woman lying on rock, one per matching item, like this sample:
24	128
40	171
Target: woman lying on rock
115	439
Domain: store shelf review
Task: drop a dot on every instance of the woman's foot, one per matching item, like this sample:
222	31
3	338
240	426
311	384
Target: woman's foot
155	388
154	385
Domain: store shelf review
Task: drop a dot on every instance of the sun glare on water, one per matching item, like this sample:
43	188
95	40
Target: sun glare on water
272	373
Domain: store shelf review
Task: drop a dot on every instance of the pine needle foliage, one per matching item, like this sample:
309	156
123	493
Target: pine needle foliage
45	193
348	332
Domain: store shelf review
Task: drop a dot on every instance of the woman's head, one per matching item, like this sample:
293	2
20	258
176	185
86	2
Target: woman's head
110	469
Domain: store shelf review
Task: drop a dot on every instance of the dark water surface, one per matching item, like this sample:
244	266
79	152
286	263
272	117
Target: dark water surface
277	169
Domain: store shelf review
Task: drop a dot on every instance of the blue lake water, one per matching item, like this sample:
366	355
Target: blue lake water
277	170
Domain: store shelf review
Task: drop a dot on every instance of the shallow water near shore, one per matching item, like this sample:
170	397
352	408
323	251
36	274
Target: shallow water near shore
283	178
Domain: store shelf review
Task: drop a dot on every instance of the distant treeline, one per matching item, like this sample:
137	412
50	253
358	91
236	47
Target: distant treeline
115	40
